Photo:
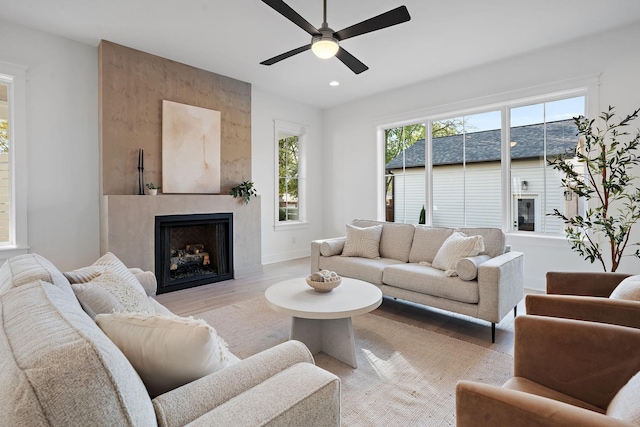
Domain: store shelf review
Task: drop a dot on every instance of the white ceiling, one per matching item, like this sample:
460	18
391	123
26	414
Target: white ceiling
232	37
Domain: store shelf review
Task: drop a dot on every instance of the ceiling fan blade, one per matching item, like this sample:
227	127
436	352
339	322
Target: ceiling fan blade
286	55
293	16
387	19
351	61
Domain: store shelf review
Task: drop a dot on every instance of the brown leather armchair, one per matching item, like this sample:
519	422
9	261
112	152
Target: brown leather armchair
584	296
566	373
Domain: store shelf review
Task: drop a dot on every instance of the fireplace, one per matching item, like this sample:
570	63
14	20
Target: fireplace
193	250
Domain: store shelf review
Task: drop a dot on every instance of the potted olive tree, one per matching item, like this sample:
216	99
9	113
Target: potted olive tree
600	171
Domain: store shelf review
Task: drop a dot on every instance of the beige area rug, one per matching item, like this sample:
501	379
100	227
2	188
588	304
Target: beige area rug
406	375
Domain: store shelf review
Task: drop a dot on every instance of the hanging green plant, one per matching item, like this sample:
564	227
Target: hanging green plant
245	190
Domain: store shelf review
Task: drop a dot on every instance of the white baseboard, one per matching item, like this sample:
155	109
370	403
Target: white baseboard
286	256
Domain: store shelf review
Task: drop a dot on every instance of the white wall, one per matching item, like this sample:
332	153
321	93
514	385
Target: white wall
62	138
351	182
279	245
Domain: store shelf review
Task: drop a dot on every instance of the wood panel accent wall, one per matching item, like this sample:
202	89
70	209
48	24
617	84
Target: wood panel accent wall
132	85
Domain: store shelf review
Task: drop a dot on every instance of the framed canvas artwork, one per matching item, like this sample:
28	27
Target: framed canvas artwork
190	149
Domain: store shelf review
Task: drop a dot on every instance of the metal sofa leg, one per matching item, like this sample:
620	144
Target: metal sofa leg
493	332
515	311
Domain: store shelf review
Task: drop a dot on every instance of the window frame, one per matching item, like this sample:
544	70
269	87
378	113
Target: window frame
586	86
300	131
15	77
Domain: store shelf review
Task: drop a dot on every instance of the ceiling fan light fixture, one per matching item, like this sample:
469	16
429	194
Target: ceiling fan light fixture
324	46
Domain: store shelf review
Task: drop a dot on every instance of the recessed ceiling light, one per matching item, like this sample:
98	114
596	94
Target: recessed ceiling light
334	83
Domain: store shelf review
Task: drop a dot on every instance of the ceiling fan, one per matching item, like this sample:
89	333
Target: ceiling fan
325	43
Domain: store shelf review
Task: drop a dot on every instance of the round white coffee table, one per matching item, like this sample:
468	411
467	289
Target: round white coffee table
323	320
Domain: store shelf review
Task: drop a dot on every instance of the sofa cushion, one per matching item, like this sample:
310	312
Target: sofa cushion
467	268
396	239
369	270
456	247
57	368
426	242
110	292
494	240
628	289
23	269
362	242
624	406
167	351
430	281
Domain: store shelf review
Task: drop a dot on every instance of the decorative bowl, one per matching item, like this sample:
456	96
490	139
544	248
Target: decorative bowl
323	286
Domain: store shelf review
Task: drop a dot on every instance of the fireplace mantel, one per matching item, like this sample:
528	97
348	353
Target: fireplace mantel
127	226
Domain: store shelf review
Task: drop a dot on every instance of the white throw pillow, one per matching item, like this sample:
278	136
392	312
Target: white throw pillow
110	292
628	289
456	247
426	242
624	405
167	351
363	242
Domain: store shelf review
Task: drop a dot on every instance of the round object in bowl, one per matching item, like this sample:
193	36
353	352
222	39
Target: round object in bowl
323	286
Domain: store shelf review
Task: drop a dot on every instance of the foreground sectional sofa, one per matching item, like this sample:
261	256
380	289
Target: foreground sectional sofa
486	286
58	368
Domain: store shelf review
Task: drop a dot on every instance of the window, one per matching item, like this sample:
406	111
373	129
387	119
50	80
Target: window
484	168
288	178
405	174
290	194
13	178
466	171
538	132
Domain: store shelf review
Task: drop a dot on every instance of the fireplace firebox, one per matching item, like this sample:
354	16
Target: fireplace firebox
193	250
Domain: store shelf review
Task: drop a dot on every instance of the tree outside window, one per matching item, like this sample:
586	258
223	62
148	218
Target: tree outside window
405	176
288	156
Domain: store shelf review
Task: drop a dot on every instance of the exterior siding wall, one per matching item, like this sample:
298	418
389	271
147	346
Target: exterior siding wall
479	185
409	193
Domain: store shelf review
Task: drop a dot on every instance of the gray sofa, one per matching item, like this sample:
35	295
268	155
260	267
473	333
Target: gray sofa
402	271
57	368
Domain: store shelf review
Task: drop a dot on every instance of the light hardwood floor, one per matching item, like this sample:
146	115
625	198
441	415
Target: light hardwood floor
192	301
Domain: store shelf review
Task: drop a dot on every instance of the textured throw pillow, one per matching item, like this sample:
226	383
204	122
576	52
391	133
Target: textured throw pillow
363	242
456	247
110	292
467	268
167	351
86	274
628	289
624	405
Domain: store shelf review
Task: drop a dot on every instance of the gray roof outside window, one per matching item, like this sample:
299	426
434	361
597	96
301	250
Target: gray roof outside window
484	146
